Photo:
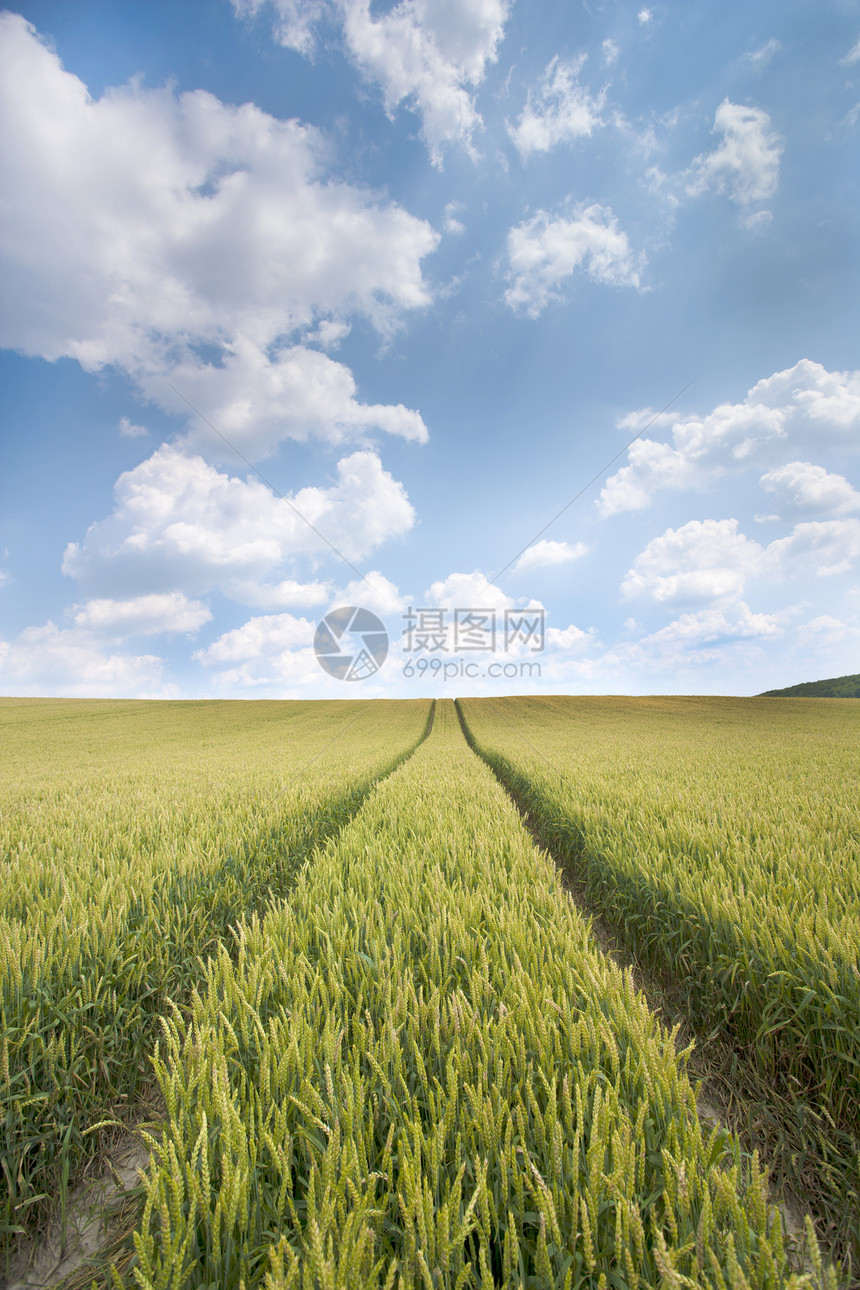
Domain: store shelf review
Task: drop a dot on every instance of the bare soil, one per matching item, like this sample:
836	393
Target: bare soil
48	1259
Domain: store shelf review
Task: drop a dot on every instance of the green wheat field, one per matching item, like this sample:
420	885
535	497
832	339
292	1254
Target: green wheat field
346	951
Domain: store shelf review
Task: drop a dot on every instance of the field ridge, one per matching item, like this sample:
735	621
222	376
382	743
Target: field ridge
86	1031
815	1159
707	1061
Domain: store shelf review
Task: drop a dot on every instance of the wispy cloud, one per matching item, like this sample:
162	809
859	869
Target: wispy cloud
761	57
745	164
131	431
559	110
853	56
546	250
546	554
428	56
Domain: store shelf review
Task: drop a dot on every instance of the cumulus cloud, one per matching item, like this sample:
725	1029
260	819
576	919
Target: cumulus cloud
544	251
259	637
468	591
143	225
428	54
730	635
518	628
702	560
73	663
373	591
652	466
278	595
745	165
802	486
830	400
558	111
570	640
804	406
711	560
180	523
714	626
824	631
330	333
256	400
547	553
129	430
268	654
821	547
170	612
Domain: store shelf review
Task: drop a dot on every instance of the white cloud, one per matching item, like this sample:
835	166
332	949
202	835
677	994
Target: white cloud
169	612
428	53
853	56
453	225
453	598
711	560
278	595
761	57
652	466
258	638
758	219
829	399
544	251
271	654
730	637
52	661
610	52
800	485
798	408
295	22
745	165
330	333
255	401
825	631
702	560
374	591
130	431
546	553
644	16
179	523
558	111
143	224
468	591
572	640
713	626
823	547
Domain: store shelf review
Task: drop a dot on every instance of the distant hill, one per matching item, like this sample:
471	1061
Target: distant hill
838	687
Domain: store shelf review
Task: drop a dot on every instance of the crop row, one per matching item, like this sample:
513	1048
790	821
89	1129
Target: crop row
420	1071
721	839
136	837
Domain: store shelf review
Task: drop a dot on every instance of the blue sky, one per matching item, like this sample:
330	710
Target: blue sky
428	267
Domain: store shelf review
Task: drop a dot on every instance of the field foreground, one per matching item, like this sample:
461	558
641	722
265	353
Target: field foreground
390	1051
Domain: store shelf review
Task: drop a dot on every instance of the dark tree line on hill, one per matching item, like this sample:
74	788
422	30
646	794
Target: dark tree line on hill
838	687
